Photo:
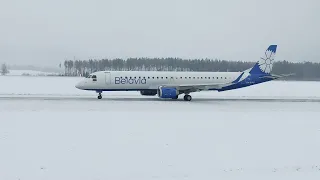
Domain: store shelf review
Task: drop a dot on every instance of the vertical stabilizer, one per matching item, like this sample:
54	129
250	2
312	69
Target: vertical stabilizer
265	64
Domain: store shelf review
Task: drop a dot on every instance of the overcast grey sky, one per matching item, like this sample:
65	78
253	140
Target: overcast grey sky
43	32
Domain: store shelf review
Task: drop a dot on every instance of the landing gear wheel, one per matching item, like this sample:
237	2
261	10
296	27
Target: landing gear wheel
99	96
187	97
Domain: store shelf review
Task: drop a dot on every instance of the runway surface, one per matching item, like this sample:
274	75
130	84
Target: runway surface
137	98
50	130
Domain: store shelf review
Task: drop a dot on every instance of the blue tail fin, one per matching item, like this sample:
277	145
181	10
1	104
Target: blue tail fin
265	64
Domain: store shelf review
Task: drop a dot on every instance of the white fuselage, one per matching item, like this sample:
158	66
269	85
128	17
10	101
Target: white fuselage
141	80
170	85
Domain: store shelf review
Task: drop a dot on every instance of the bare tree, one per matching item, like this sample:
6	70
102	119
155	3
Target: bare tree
4	69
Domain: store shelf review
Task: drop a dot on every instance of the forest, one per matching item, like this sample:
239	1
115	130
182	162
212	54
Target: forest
302	70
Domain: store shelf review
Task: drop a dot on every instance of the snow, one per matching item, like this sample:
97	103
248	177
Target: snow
65	86
29	72
51	130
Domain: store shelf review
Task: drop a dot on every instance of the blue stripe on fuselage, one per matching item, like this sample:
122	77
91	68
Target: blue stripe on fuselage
248	81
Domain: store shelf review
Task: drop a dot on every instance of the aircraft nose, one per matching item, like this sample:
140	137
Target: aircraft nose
79	85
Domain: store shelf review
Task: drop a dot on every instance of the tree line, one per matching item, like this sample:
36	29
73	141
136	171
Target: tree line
302	70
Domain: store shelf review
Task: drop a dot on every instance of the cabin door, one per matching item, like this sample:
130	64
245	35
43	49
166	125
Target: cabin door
108	77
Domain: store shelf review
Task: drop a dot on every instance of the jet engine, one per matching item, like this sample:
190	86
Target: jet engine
168	92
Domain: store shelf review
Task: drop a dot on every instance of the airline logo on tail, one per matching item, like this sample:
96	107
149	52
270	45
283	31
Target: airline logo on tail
266	62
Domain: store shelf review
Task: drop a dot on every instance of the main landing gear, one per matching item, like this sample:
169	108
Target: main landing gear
99	96
187	97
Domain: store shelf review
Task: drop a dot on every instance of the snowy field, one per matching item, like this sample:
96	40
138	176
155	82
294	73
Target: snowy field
30	73
50	130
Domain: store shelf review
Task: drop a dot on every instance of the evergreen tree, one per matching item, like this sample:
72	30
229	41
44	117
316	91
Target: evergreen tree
4	69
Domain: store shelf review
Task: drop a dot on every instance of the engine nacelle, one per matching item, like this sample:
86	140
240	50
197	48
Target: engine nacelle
167	92
148	92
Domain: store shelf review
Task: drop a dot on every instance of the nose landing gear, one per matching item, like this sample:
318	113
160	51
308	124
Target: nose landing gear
100	95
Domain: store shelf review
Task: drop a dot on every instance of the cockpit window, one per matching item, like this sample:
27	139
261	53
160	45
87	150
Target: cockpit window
94	77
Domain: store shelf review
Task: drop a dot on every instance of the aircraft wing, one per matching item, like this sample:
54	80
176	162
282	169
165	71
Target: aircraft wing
198	87
201	87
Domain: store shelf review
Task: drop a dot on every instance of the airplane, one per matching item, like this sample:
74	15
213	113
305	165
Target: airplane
171	84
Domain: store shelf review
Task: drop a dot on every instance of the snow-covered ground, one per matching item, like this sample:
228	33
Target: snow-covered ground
30	73
65	86
51	130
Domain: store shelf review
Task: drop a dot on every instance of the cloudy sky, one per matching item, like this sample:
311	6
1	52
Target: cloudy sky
43	32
